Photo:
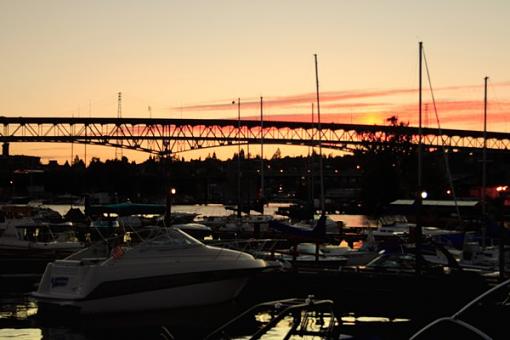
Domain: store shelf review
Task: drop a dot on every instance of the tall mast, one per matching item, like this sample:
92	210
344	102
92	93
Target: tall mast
323	209
420	122
419	197
310	163
262	153
484	163
239	158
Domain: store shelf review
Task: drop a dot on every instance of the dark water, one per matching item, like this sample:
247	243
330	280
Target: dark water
20	319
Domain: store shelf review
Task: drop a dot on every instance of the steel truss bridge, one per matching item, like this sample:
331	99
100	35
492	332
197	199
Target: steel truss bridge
164	137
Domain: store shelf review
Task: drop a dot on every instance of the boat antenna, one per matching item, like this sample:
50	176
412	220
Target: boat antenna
484	164
323	209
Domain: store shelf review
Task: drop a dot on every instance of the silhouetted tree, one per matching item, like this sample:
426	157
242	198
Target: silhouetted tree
387	163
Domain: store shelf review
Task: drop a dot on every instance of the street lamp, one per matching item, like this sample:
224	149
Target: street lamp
169	200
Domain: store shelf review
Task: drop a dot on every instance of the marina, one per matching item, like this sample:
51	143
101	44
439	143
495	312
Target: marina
359	293
180	171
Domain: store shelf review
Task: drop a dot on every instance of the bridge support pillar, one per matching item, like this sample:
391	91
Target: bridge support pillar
5	149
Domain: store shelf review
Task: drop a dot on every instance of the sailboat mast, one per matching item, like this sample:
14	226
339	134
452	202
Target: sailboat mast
484	162
420	122
419	197
239	158
310	163
262	154
323	209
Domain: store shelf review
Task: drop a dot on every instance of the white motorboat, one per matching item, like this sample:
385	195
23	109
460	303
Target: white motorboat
168	270
39	236
27	245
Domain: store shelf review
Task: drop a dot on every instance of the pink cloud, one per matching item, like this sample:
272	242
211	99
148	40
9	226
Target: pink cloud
331	96
455	111
286	101
451	114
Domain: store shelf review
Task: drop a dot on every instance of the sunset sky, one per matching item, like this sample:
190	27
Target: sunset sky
190	59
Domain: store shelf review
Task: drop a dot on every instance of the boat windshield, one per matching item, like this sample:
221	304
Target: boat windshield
171	238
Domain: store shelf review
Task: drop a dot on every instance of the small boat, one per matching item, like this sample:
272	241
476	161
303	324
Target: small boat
305	255
26	247
168	269
234	224
486	258
33	236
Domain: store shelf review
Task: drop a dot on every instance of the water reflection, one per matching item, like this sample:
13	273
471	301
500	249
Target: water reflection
184	323
17	307
21	334
19	318
282	328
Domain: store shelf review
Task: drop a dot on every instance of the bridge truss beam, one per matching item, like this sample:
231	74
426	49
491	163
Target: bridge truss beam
164	137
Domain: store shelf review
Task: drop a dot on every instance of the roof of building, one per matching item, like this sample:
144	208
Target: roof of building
438	203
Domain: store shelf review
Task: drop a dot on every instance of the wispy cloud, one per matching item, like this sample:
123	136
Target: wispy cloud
325	97
307	98
461	111
366	106
450	113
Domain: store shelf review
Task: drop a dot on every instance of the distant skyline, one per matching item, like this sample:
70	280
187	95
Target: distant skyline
190	59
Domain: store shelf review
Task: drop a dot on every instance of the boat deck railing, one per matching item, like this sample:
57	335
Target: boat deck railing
308	318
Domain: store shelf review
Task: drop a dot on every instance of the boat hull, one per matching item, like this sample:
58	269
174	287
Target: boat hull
199	294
